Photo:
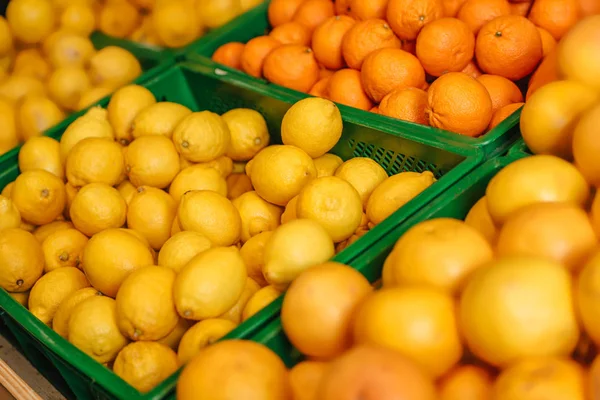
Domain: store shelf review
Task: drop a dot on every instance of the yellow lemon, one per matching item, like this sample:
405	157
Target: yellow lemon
235	313
127	190
7	191
92	124
78	18
145	364
10	217
60	322
249	133
30	21
70	50
124	106
6	37
64	248
113	67
260	300
97	207
327	164
175	24
9	136
211	215
21	258
152	161
39	196
158	118
238	184
31	62
66	85
181	248
197	177
36	114
20	297
480	219
41	152
17	87
95	160
210	284
257	215
588	285
223	164
92	96
202	136
118	18
172	339
145	34
214	14
289	213
363	174
253	253
201	335
294	247
41	233
151	213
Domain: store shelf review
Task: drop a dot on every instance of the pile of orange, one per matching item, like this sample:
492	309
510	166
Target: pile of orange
447	64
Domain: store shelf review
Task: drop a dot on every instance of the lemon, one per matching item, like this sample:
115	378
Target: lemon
197	177
333	203
210	284
235	313
52	288
60	322
30	21
71	193
41	233
78	18
7	191
260	300
313	124
17	87
175	24
294	247
9	137
92	124
39	196
289	213
211	215
480	219
202	136
41	152
157	118
10	217
249	133
95	160
152	161
20	297
36	114
238	184
124	106
363	174
113	67
97	207
66	85
142	239
214	14
279	172
201	335
93	329
223	164
253	253
145	364
172	339
144	34
92	96
257	215
6	37
145	309
175	228
31	62
127	190
64	248
21	258
394	192
151	213
70	50
327	164
181	248
118	18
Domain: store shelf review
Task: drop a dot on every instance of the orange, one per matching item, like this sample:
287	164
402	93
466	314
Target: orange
318	307
472	70
408	104
460	104
476	13
594	384
342	6
561	232
374	373
313	13
282	11
509	46
548	378
451	7
466	382
588	288
445	45
548	41
345	87
255	52
555	16
595	213
364	38
587	8
327	41
503	113
230	54
292	66
410	46
305	378
394	318
408	17
521	9
479	218
387	69
362	10
374	110
508	306
502	91
325	73
321	88
586	146
291	33
546	72
441	253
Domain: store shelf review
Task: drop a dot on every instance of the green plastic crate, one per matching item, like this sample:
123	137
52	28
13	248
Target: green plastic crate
255	23
520	148
199	88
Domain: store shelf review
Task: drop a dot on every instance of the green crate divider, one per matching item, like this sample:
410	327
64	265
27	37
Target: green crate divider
255	23
199	88
520	148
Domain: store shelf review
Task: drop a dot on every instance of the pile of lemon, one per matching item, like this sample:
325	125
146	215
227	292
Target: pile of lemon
165	23
49	67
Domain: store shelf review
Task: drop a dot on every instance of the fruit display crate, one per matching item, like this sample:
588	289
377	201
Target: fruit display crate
200	88
519	148
255	23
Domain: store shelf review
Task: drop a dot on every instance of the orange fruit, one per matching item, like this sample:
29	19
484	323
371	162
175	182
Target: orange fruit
472	70
587	8
291	33
362	10
374	110
342	6
588	287
586	146
476	13
445	45
451	7
345	87
479	218
305	378
374	373
408	104
321	88
466	382
292	66
410	46
548	41
503	113
441	253
561	232
578	55
595	213
459	103
594	385
364	38
230	54
327	41
408	17
555	16
282	11
325	73
545	73
313	13
387	69
392	318
502	91
521	8
318	307
255	52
